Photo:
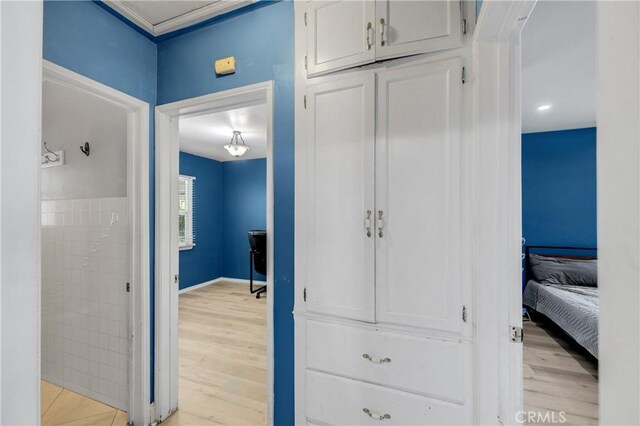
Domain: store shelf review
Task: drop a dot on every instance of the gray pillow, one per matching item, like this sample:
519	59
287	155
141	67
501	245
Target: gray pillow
564	271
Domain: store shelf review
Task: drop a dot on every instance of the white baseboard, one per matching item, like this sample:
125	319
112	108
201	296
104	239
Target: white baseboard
217	280
241	281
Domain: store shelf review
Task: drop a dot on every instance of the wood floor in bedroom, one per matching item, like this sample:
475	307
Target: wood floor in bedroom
223	355
558	376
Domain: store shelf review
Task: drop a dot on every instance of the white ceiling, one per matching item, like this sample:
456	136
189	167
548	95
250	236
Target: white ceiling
206	135
162	16
156	12
559	66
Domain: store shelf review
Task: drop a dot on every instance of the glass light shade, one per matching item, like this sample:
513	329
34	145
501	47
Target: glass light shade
237	147
236	150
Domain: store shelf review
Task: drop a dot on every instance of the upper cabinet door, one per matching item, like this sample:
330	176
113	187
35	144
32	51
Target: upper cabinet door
418	195
340	253
409	27
340	35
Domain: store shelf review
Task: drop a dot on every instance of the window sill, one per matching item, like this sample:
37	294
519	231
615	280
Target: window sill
187	247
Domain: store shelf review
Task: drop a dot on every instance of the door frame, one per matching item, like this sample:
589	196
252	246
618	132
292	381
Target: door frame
166	255
497	218
138	195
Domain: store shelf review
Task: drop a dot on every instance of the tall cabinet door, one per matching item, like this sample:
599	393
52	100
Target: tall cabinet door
418	196
408	27
340	262
340	34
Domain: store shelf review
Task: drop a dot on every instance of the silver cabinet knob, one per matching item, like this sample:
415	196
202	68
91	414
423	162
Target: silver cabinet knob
375	359
376	416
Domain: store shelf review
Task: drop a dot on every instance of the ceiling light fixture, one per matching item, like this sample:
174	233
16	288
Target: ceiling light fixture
237	147
544	107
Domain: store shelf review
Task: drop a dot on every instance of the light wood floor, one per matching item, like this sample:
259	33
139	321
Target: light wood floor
222	352
558	375
62	407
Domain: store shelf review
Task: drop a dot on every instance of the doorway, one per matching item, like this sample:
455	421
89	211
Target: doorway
95	268
175	271
559	226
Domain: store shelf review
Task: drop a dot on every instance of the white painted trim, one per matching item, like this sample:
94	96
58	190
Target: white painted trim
300	200
618	204
214	9
20	143
201	285
243	281
167	157
128	13
497	206
138	195
219	280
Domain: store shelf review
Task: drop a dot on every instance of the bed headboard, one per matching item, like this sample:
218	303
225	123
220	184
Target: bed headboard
557	251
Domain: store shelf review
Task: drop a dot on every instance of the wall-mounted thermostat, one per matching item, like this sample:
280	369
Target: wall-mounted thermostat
226	66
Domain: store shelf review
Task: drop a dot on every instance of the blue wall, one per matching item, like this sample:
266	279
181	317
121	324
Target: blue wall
81	36
244	206
204	261
559	188
263	43
231	199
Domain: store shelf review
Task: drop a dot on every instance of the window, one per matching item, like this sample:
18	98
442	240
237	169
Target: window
186	205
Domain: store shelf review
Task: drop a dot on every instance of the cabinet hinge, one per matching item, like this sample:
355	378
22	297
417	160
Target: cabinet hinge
304	294
305	62
128	287
464	75
464	313
176	277
305	101
305	19
517	334
462	15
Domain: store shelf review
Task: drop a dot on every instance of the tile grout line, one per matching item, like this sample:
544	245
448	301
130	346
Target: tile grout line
115	410
115	414
86	417
52	402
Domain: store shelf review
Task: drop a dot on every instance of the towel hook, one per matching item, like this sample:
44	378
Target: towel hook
46	157
85	149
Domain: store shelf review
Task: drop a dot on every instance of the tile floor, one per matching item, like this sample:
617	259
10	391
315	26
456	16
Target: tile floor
63	407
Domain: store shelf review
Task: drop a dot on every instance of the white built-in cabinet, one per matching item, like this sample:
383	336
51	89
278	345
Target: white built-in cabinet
417	202
384	196
386	331
384	325
347	33
341	252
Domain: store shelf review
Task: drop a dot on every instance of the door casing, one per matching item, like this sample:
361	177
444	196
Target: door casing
166	257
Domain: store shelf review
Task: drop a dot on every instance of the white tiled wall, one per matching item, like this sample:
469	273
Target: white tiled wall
85	306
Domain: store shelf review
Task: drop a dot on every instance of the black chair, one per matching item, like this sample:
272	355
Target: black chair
257	259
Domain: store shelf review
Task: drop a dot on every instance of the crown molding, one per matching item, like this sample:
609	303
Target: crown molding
179	22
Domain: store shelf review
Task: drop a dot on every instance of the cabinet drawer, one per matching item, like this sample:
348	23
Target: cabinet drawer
336	400
431	367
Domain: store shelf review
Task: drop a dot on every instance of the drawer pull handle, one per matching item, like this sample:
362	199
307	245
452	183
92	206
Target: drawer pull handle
375	359
375	415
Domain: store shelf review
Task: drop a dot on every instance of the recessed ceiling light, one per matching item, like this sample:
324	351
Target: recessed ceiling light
544	107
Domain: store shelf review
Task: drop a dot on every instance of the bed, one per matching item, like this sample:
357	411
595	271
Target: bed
574	308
